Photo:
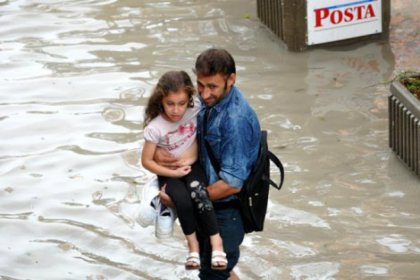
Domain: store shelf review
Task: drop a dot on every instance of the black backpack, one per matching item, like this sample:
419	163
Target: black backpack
253	196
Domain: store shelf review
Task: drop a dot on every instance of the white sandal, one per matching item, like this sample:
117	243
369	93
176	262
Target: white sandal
218	260
193	261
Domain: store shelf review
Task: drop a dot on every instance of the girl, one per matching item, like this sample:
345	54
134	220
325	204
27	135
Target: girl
170	123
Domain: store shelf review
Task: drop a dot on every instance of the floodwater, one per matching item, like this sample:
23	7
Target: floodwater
75	76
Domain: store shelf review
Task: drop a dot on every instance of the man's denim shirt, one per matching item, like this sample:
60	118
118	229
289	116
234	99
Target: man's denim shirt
233	132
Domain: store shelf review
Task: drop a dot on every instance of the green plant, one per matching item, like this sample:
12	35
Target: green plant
411	80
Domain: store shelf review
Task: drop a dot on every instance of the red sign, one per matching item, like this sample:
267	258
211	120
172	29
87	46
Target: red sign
350	14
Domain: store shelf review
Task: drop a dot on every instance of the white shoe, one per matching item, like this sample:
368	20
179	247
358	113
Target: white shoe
149	204
148	213
165	222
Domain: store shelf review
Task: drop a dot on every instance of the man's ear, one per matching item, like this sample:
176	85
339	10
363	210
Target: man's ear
231	80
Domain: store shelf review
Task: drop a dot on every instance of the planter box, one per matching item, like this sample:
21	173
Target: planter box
404	126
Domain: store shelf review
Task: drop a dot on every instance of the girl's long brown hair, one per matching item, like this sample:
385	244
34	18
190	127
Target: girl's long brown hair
171	81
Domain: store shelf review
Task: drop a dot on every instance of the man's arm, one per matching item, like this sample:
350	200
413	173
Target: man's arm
165	158
220	189
150	164
237	153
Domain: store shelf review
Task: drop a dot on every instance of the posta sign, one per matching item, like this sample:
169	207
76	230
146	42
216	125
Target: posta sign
334	20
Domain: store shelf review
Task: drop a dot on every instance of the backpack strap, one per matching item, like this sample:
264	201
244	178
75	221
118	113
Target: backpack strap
279	165
213	160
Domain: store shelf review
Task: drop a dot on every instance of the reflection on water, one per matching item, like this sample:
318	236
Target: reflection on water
75	79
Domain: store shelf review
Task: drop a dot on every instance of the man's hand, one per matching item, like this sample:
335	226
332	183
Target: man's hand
165	199
164	158
220	189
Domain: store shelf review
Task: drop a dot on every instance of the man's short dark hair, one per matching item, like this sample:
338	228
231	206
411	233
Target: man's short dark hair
215	61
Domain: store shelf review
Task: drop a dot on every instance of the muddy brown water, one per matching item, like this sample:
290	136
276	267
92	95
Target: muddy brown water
75	78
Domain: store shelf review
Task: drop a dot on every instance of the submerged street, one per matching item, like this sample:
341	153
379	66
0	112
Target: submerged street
76	76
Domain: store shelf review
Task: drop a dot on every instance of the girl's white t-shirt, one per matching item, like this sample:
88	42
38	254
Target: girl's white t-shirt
175	137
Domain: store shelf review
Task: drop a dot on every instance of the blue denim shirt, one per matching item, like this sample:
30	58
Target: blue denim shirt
233	132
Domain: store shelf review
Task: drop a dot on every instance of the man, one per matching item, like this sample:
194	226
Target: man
231	128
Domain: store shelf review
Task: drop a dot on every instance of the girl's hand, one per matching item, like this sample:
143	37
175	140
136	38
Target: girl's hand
182	171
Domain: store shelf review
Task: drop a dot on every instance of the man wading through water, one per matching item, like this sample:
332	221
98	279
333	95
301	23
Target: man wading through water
231	128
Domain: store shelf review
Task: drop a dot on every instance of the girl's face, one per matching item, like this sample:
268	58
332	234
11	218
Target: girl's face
174	105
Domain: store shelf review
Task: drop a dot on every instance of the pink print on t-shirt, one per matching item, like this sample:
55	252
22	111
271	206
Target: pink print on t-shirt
178	137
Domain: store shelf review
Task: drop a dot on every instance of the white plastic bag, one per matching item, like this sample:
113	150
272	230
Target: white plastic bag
149	202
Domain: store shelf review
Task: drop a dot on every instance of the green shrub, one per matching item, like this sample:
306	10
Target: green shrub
411	80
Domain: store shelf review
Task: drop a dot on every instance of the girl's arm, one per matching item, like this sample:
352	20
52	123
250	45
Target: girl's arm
147	161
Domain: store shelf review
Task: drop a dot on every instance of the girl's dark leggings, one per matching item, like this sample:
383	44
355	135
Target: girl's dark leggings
191	200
